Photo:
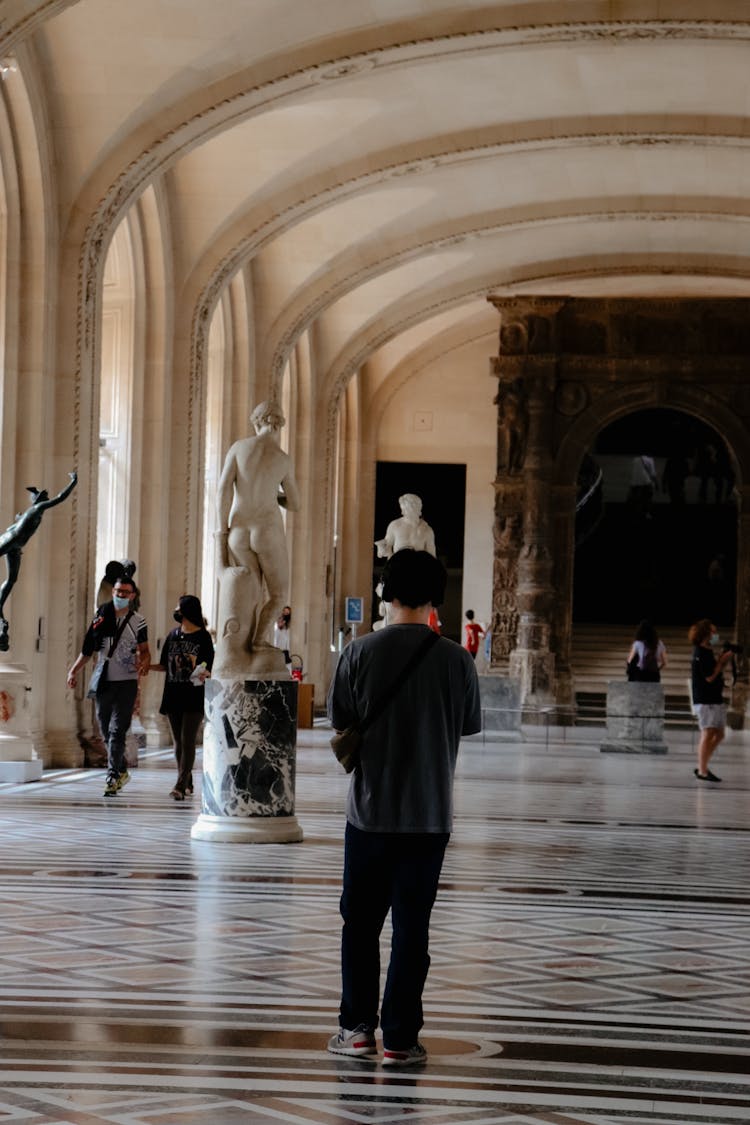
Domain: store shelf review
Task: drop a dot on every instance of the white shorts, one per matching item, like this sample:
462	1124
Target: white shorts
711	716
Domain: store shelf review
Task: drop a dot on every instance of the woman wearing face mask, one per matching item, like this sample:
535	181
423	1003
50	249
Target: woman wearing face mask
707	686
187	657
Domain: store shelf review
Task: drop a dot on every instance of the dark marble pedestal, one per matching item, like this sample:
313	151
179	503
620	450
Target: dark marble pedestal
249	760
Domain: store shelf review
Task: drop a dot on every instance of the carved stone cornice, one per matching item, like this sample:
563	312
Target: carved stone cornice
18	25
519	307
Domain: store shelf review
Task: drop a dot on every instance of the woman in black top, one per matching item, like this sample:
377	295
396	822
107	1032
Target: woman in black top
707	686
187	657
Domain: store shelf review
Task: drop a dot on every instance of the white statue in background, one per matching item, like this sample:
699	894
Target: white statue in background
410	530
256	480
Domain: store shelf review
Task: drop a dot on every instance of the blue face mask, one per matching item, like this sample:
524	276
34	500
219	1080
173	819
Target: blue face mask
714	638
120	603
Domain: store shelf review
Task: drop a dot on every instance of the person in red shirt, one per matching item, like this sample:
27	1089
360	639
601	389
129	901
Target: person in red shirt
434	621
473	632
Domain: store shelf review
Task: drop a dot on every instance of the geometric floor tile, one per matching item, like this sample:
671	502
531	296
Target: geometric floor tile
590	951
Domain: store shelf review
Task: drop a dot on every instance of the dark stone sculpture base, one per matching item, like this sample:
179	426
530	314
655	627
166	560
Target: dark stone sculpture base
249	760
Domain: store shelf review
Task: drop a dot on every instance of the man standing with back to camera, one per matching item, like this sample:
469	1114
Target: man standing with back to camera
400	804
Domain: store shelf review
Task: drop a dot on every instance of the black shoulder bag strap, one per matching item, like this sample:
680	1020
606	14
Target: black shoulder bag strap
416	658
118	634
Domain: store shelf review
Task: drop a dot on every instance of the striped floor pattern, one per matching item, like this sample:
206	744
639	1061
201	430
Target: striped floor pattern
590	951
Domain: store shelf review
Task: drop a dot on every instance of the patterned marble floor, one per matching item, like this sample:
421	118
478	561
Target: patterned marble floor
590	946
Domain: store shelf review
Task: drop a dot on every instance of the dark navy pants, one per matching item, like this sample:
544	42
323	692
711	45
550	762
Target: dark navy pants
184	725
115	701
397	871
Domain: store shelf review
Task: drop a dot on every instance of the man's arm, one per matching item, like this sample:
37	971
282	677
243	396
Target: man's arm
472	723
75	668
339	703
721	660
143	658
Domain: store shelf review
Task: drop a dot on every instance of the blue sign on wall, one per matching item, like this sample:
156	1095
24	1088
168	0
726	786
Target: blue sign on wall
355	611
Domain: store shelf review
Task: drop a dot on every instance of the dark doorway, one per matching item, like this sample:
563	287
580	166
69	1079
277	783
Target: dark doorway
442	489
666	550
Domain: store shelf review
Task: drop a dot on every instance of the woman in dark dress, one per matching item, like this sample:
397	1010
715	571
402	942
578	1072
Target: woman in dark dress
187	657
707	687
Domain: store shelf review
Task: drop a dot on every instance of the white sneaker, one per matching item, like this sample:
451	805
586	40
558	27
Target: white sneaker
411	1057
360	1041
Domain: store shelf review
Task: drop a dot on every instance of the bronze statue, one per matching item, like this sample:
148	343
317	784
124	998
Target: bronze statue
15	538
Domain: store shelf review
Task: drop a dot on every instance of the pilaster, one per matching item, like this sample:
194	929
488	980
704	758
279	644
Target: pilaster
523	564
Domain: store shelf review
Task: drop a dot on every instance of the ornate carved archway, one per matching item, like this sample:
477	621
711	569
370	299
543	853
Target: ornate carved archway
565	369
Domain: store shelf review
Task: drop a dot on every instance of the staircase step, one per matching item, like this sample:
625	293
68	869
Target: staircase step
599	654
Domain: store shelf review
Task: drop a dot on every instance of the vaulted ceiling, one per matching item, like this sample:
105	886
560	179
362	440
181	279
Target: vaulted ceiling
385	164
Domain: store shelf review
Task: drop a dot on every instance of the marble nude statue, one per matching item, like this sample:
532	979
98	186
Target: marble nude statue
14	539
410	530
256	481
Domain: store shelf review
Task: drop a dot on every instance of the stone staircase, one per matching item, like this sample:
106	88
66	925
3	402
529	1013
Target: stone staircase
599	654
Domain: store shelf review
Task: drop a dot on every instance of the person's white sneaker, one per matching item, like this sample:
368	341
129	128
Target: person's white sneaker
411	1057
360	1041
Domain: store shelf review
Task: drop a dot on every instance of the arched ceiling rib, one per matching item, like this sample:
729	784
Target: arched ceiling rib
369	166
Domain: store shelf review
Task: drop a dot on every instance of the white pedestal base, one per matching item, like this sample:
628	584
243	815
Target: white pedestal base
18	773
251	830
18	760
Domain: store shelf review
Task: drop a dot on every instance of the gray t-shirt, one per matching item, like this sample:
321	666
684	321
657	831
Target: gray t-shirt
123	662
404	780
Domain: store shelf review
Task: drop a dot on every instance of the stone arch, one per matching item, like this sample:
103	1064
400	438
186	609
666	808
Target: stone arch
691	401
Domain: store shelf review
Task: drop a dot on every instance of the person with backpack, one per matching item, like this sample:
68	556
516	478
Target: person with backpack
647	655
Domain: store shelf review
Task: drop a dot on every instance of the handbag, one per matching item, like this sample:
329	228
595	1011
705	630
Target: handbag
99	675
346	743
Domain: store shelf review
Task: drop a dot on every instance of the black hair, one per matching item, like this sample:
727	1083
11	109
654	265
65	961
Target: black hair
414	578
191	610
647	633
470	614
113	570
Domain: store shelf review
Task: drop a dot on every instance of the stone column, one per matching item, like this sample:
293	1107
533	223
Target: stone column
508	538
532	662
526	371
561	616
741	690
